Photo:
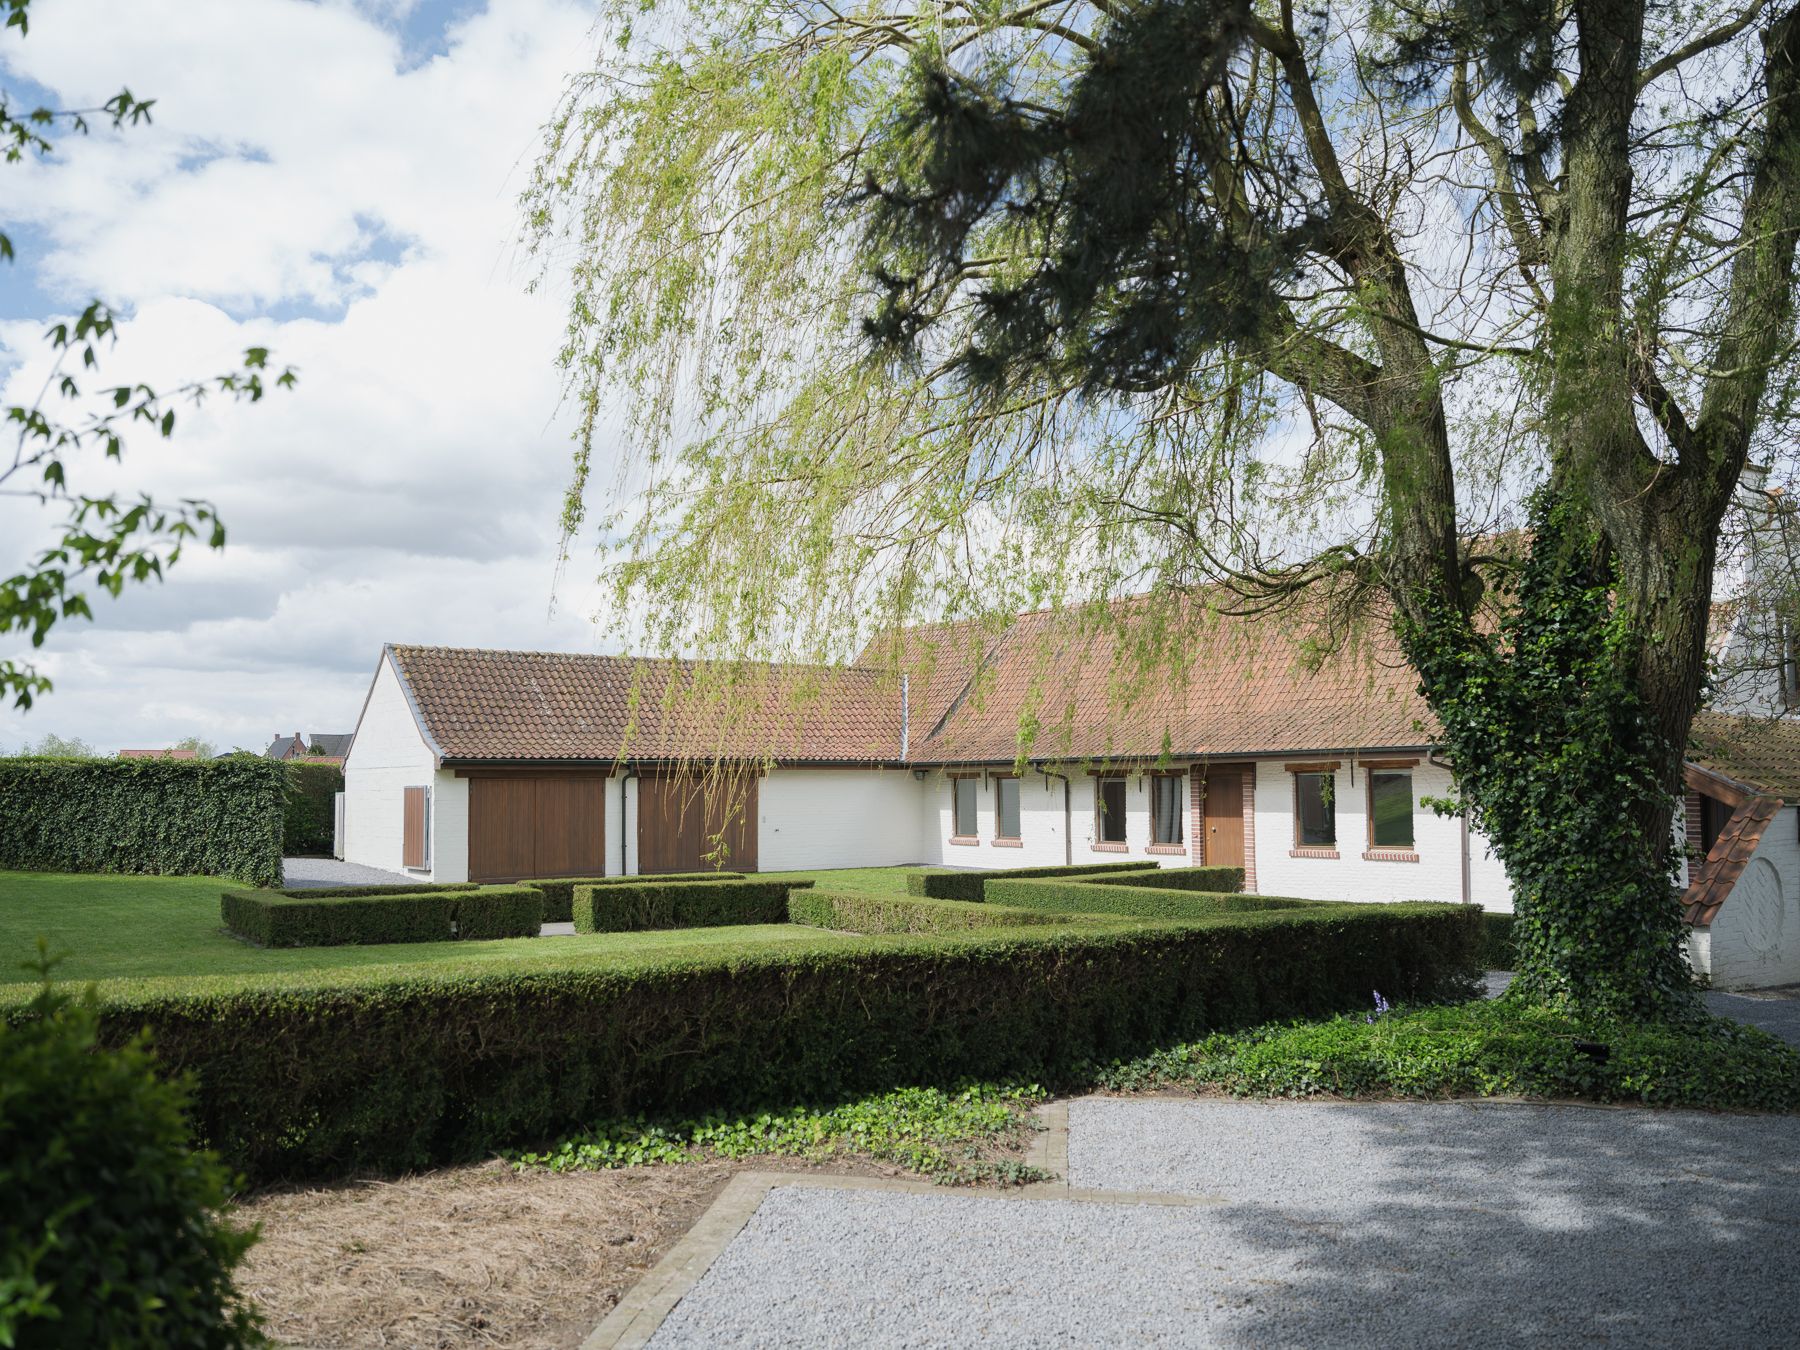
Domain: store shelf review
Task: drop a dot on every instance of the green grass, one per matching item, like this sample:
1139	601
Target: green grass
137	928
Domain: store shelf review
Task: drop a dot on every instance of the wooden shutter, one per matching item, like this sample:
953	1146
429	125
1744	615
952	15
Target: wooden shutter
412	844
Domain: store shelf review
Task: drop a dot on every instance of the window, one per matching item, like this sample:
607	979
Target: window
1006	808
1315	810
962	791
1165	809
1109	808
1713	815
1390	809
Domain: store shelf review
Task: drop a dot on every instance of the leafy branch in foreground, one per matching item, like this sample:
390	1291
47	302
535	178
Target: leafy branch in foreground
104	543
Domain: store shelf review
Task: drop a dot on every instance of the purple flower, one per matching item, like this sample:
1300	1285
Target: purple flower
1381	1009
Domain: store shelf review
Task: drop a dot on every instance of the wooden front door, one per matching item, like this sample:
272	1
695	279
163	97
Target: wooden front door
681	822
527	826
1224	818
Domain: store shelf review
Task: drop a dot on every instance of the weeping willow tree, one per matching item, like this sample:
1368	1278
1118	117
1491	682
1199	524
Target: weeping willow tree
893	311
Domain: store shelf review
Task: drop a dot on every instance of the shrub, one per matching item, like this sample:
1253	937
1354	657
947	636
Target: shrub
626	907
559	892
392	888
969	885
1497	949
1058	896
1497	1048
869	913
168	817
110	1231
309	817
401	1069
303	919
1213	880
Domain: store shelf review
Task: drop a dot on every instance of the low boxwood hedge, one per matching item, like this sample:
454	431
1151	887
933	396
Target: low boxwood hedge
847	912
1497	950
1058	896
627	905
303	919
559	892
405	1070
1213	880
969	885
392	888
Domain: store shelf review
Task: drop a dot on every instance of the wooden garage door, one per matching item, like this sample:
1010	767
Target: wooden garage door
679	820
527	826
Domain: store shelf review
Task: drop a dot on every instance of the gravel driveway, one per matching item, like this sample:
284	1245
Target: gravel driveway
1390	1224
311	873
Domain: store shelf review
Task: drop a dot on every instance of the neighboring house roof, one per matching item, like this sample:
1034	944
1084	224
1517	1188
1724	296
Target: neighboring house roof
1760	753
1725	862
158	754
331	744
285	747
534	706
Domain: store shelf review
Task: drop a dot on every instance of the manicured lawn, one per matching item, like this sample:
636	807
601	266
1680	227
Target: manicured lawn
134	928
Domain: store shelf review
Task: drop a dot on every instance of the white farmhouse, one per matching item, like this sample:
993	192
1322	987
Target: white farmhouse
474	765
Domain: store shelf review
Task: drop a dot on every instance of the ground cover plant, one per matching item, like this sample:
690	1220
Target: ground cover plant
110	1231
943	1133
1501	1047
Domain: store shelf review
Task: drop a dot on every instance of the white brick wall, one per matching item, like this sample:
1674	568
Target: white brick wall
837	818
388	756
1755	939
1437	840
1041	823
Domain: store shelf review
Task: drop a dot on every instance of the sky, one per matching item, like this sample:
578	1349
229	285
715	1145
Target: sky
337	181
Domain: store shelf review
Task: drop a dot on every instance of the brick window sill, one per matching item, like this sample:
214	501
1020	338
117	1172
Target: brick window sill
1008	843
965	840
1110	848
1390	855
1172	850
1312	852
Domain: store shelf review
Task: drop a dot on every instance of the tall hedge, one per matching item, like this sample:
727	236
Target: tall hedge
310	822
408	1070
166	817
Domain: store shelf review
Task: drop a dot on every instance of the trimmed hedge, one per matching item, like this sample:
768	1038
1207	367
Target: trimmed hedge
277	919
1079	897
161	817
846	912
309	816
390	888
969	885
628	905
1212	880
1497	949
404	1070
559	892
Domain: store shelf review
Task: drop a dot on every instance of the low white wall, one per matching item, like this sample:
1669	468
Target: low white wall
816	818
387	757
1754	940
1437	840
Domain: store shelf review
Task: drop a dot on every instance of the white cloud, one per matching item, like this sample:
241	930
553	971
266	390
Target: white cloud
307	188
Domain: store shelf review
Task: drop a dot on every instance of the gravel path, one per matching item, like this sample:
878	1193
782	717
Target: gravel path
1394	1224
307	873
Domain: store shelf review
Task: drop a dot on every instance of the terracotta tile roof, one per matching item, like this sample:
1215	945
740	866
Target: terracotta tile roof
1725	863
1238	686
1759	752
498	705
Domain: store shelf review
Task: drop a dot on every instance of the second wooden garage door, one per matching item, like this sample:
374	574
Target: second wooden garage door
679	824
528	826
